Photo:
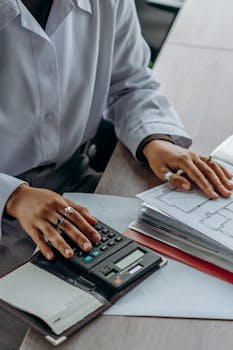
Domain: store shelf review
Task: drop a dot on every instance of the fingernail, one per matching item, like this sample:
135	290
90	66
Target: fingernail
49	256
214	195
86	246
228	194
185	187
69	252
96	236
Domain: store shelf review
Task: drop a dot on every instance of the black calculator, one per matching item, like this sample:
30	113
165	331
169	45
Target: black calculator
115	260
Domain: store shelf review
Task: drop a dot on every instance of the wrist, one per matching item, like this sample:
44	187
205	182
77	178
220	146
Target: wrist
14	200
153	147
139	154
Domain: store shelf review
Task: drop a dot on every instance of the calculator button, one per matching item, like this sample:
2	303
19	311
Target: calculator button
111	235
87	259
105	231
98	227
111	243
96	244
103	248
79	253
118	239
95	253
104	239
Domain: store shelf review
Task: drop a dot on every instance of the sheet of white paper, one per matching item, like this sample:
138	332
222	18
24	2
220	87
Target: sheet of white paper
176	290
224	151
213	218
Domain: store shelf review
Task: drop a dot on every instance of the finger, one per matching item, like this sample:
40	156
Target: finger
79	224
219	170
180	182
77	235
212	177
176	180
83	211
38	238
56	239
226	172
212	162
77	219
197	177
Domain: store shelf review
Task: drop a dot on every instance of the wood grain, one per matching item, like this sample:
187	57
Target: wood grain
124	176
199	84
143	333
204	23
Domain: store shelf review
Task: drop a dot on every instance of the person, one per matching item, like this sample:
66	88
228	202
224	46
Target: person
61	75
65	65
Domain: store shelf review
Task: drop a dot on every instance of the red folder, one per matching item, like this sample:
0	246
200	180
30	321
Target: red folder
177	254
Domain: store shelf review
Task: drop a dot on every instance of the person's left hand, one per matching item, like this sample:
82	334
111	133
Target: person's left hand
210	176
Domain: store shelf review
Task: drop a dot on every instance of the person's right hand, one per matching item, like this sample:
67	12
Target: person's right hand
38	211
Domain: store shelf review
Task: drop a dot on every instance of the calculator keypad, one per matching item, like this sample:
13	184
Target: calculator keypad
110	242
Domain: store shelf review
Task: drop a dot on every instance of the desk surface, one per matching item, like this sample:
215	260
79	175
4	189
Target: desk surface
204	23
126	333
199	82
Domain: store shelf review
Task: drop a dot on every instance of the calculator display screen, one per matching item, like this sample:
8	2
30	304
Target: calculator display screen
129	259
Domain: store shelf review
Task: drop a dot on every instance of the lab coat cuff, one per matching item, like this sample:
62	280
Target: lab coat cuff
177	135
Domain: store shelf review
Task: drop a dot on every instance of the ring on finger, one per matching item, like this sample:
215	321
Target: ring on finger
59	230
168	175
68	211
209	159
59	222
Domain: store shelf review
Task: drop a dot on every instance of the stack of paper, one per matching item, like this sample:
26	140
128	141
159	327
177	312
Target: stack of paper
190	222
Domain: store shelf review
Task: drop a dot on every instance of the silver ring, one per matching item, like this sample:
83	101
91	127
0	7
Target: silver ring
58	230
68	210
168	176
59	222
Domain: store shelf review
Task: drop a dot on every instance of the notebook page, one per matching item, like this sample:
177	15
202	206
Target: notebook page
39	293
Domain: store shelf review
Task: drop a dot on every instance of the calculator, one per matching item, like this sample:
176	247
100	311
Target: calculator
116	260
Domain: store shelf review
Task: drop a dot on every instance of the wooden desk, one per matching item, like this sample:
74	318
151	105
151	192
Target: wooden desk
138	333
199	82
204	23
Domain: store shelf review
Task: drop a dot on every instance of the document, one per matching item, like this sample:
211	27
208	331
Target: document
213	219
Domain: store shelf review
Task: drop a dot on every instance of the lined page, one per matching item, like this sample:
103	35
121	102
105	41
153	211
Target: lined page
46	296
